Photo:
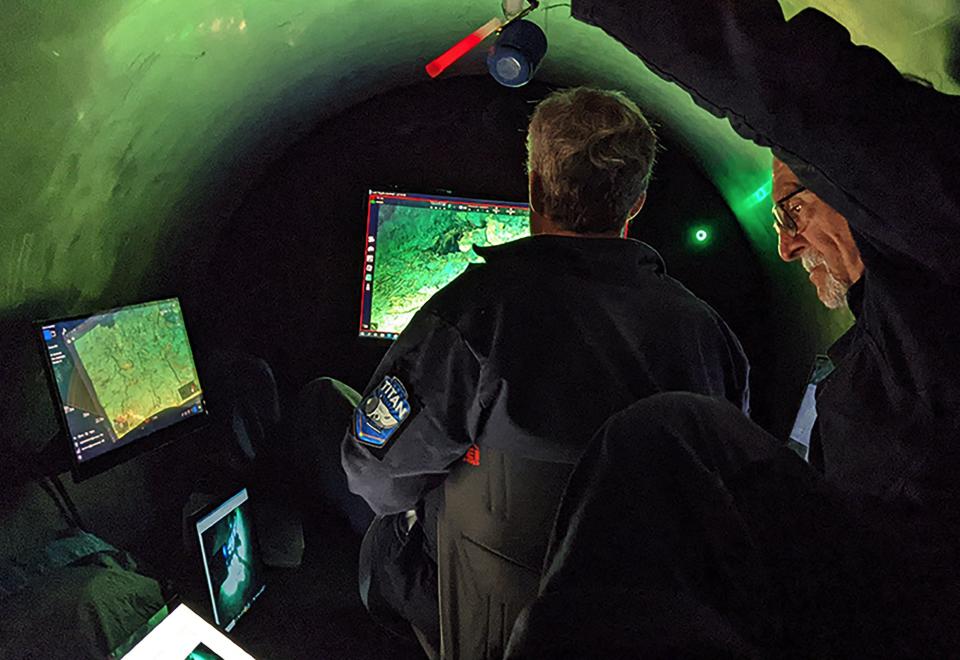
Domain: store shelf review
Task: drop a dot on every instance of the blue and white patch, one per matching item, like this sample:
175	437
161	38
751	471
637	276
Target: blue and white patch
381	413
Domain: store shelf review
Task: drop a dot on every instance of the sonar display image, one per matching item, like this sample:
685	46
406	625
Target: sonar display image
417	246
138	362
232	566
123	374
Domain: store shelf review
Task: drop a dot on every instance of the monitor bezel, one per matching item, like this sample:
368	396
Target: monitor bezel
83	470
412	192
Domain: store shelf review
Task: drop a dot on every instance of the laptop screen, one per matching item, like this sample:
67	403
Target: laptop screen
231	559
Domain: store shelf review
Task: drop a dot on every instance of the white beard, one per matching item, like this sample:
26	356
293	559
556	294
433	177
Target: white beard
833	293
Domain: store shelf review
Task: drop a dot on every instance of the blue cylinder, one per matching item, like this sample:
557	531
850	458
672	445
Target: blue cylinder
517	54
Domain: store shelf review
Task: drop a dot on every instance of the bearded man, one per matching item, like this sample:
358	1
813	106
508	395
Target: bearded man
716	540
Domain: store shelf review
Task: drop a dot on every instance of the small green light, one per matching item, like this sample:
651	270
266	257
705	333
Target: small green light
762	193
699	236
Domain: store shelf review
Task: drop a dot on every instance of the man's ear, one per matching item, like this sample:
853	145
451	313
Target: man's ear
536	193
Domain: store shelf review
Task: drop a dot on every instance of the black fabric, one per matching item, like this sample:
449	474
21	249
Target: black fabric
889	415
526	356
883	151
532	351
493	532
312	456
246	403
687	531
398	582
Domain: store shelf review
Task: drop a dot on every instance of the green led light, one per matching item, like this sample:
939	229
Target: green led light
762	193
699	236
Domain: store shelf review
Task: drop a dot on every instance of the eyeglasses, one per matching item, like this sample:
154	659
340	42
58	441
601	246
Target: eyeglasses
787	213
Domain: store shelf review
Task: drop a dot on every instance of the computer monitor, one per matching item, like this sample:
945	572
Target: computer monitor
231	559
123	381
416	244
184	634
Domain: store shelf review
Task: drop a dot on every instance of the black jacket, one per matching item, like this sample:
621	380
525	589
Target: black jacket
884	152
524	357
530	353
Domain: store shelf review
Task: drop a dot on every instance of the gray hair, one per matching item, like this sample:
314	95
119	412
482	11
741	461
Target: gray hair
594	152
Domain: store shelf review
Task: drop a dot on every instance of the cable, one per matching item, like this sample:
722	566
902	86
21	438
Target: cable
49	490
69	502
546	14
45	462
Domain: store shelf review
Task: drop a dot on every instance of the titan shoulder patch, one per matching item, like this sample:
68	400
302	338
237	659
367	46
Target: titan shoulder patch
381	414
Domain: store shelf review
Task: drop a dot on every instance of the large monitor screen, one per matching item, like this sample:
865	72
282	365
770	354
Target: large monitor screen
231	559
121	375
417	244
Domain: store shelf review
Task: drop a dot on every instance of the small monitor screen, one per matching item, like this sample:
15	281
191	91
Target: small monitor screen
417	244
122	375
231	560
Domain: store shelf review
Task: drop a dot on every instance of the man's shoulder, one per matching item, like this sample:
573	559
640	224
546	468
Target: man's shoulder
688	308
478	285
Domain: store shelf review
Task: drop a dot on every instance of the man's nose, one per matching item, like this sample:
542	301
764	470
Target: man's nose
790	247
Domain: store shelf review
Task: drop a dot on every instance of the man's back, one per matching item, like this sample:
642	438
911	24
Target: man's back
567	332
570	330
531	353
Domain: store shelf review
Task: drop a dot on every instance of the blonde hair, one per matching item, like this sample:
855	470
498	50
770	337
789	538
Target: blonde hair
594	152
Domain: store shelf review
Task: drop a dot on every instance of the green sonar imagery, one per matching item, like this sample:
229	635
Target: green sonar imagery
421	250
232	566
138	363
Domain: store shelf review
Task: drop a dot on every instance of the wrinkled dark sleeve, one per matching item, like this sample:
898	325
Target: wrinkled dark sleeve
737	381
440	372
881	149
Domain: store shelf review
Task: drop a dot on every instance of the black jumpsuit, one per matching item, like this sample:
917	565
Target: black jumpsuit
529	354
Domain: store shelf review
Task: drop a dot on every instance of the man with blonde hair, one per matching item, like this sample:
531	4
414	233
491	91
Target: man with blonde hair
501	379
589	171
